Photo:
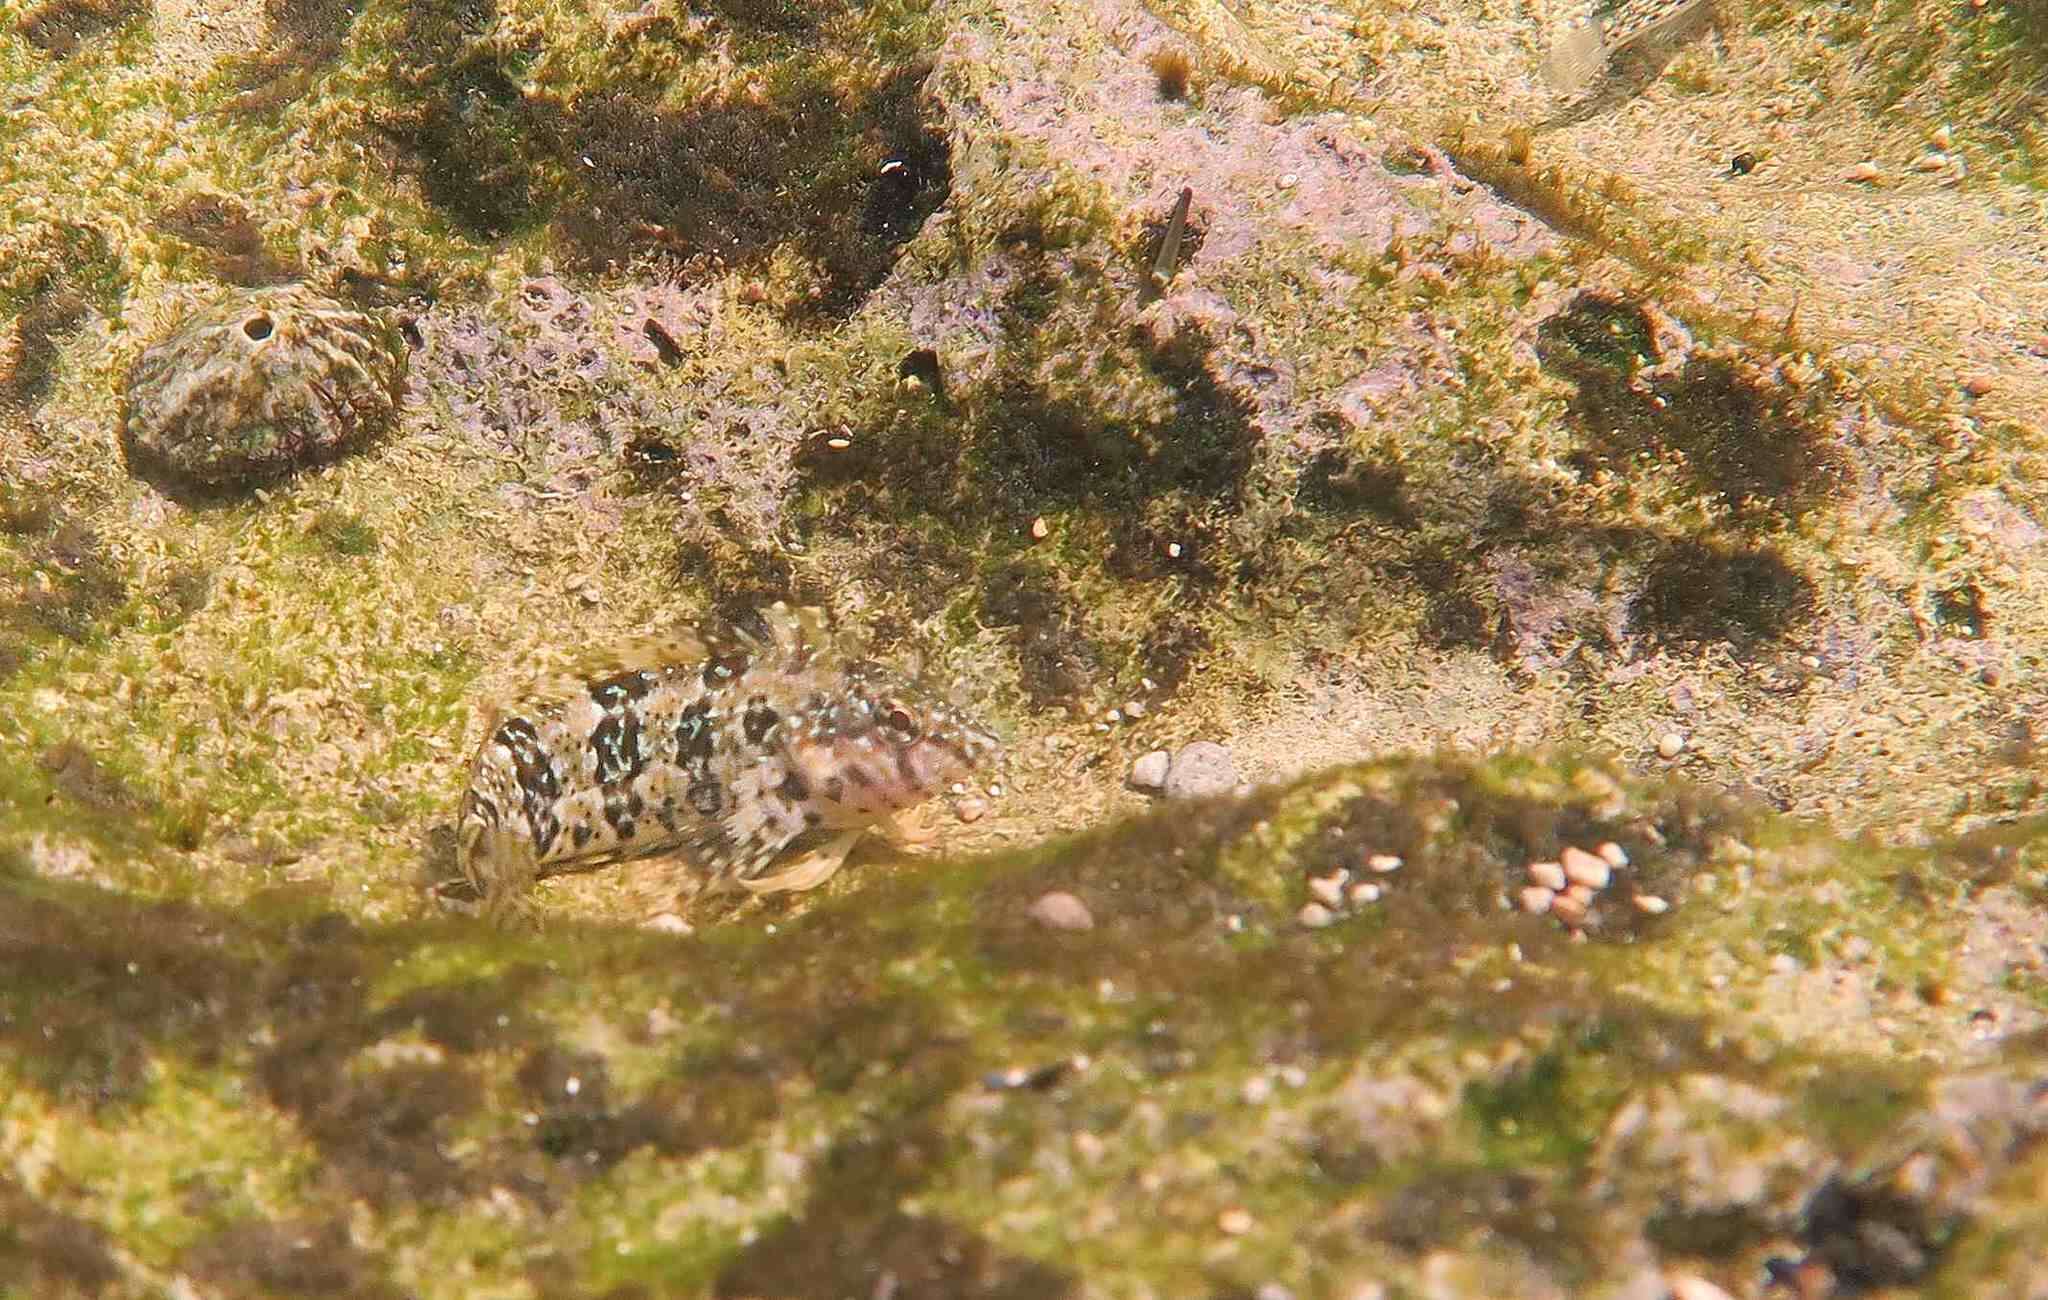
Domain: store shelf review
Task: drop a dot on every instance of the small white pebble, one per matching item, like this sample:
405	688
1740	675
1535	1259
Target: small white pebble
1060	910
1235	1222
971	810
1149	772
1039	529
1365	892
1314	916
1234	923
1148	683
1582	893
1550	875
1134	708
1865	172
1670	745
1173	550
1613	854
1288	180
1293	1076
995	791
958	787
1932	162
839	444
1114	715
1784	964
669	923
572	1085
1256	1090
1328	890
1568	909
1582	868
1651	904
1536	899
1383	862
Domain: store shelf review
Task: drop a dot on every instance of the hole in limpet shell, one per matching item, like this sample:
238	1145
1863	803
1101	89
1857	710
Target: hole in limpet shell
258	327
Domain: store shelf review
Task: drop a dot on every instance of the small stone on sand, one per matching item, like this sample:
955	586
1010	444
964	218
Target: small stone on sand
1200	769
1582	868
1148	774
1059	910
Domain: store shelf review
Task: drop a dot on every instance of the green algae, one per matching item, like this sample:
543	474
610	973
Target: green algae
766	1113
619	1089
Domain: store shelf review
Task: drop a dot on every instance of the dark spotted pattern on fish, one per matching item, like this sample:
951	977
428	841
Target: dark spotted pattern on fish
759	720
723	747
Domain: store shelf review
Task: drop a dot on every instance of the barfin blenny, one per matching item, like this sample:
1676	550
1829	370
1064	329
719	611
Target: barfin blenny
728	747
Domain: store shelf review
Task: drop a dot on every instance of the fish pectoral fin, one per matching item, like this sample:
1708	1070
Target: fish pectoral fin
807	872
915	828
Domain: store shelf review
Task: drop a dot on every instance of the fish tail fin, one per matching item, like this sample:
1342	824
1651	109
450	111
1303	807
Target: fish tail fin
1577	58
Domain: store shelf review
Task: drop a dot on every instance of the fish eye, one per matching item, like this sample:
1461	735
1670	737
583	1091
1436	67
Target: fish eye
898	719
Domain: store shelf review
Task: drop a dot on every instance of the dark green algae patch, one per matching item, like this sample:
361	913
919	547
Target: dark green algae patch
911	1079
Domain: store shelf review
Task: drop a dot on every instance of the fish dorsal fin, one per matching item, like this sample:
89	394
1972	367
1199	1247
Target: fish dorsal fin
794	635
555	673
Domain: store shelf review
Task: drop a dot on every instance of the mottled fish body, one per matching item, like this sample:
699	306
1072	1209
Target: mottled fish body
727	747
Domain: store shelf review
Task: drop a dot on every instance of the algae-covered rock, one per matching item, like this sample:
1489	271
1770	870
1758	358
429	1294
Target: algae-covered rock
918	1078
259	384
1617	577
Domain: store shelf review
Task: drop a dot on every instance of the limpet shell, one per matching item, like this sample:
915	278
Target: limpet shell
259	384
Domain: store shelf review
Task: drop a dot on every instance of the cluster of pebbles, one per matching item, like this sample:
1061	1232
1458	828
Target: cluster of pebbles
1337	894
1569	888
1200	770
